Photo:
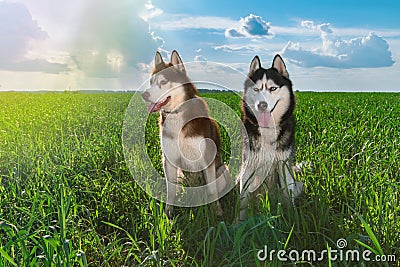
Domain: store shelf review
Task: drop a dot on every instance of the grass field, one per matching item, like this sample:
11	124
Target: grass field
67	197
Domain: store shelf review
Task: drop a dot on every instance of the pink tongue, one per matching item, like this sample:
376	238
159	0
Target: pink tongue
151	107
264	118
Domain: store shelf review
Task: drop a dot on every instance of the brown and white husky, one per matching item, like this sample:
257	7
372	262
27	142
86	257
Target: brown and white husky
190	139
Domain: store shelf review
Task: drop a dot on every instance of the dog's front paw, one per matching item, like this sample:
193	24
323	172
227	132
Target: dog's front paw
219	210
297	192
242	216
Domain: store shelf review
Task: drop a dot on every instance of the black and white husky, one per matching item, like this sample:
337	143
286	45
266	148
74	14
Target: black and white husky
190	139
267	113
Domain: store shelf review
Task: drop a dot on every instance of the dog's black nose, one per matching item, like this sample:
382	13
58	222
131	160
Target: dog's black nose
146	95
262	106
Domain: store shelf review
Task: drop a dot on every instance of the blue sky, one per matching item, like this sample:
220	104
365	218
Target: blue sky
104	44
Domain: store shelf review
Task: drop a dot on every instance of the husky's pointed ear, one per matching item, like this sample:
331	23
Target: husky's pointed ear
254	65
177	61
278	64
158	59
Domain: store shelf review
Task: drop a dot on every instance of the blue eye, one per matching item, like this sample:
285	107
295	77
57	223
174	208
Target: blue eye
255	88
273	88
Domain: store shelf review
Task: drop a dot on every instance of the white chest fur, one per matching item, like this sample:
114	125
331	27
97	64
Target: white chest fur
189	153
264	156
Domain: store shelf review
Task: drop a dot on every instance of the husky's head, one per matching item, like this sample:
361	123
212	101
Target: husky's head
170	86
268	95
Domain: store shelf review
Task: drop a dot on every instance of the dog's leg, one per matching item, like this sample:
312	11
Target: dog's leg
244	186
210	175
171	173
291	189
244	204
225	180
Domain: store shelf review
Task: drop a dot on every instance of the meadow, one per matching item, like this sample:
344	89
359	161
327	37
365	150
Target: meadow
67	197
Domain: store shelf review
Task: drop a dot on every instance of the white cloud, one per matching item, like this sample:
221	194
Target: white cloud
200	58
184	21
371	51
250	47
18	31
102	46
150	11
112	47
230	48
307	24
348	32
250	26
385	33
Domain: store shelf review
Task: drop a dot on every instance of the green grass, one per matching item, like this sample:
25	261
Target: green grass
67	197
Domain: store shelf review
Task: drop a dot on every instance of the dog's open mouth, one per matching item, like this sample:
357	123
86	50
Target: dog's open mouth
154	107
264	118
